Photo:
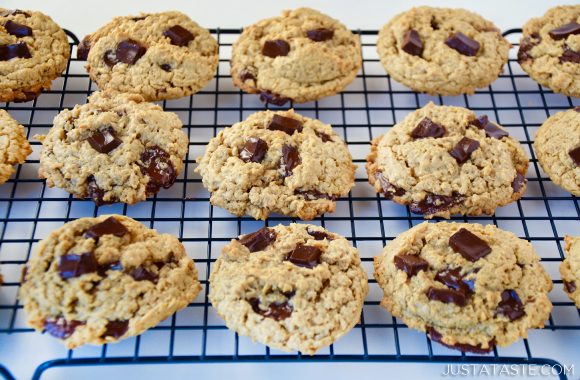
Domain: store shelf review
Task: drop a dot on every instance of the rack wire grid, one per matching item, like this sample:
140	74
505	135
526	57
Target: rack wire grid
29	210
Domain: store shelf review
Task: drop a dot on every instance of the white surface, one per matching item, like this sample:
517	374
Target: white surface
23	352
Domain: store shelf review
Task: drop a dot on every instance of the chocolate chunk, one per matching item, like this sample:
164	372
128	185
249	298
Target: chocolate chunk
412	43
25	272
570	286
12	12
178	35
157	165
268	97
83	48
142	274
565	31
305	256
527	44
110	58
434	23
258	240
577	108
290	159
17	30
277	311
447	296
320	34
254	150
463	149
61	328
437	337
462	44
246	75
389	190
469	245
275	48
319	235
510	305
575	155
95	192
570	55
104	141
434	203
166	67
315	194
480	122
139	18
518	182
493	130
453	279
323	136
17	50
109	226
285	124
129	51
427	128
104	268
410	264
72	265
116	329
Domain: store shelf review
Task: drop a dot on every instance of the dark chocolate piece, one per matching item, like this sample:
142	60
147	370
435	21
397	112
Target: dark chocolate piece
17	50
166	67
110	58
109	226
129	51
315	194
305	256
510	305
518	182
17	30
83	48
102	269
61	328
565	30
12	12
269	97
95	192
257	241
453	279
389	190
276	311
410	264
290	159
71	265
570	286
427	128
527	44
469	245
157	165
320	34
323	136
463	149
412	43
463	44
254	150
435	336
569	55
246	75
447	296
142	274
434	203
319	235
178	35
285	124
275	48
104	141
116	329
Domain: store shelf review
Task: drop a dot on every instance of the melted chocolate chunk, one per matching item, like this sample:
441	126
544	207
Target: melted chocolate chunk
427	128
104	268
268	97
254	150
109	226
275	48
565	31
95	192
290	159
104	141
71	266
453	279
12	12
412	43
158	166
434	23
575	155
319	235
110	58
17	50
410	264
246	75
570	286
305	256
570	55
83	48
129	51
116	329
166	67
447	296
434	203
276	311
257	241
510	305
389	190
437	337
178	35
491	129
323	136
61	328
314	194
17	30
518	182
469	245
142	274
462	151
463	44
320	34
285	124
526	45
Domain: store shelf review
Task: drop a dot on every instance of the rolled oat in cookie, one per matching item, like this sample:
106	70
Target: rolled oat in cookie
570	269
14	147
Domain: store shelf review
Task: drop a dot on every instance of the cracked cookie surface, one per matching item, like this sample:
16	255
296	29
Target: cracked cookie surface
470	287
550	49
34	51
570	269
301	55
159	55
442	51
443	160
115	148
277	162
99	280
297	287
14	147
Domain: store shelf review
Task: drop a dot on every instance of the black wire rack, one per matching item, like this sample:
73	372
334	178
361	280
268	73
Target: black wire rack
29	210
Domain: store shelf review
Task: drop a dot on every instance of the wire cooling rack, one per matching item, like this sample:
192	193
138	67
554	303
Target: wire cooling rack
29	210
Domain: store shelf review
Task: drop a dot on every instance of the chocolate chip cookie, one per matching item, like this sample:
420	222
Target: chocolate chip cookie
550	49
570	269
115	148
297	287
99	280
14	147
443	160
34	50
557	145
442	51
278	162
301	56
470	287
159	56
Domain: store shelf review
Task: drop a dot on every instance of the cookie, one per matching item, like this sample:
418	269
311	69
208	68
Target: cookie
443	160
159	55
550	49
14	147
278	162
300	56
570	269
34	50
297	287
442	51
557	145
115	148
470	287
99	280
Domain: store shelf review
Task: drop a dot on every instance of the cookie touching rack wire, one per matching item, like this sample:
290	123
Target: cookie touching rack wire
29	211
